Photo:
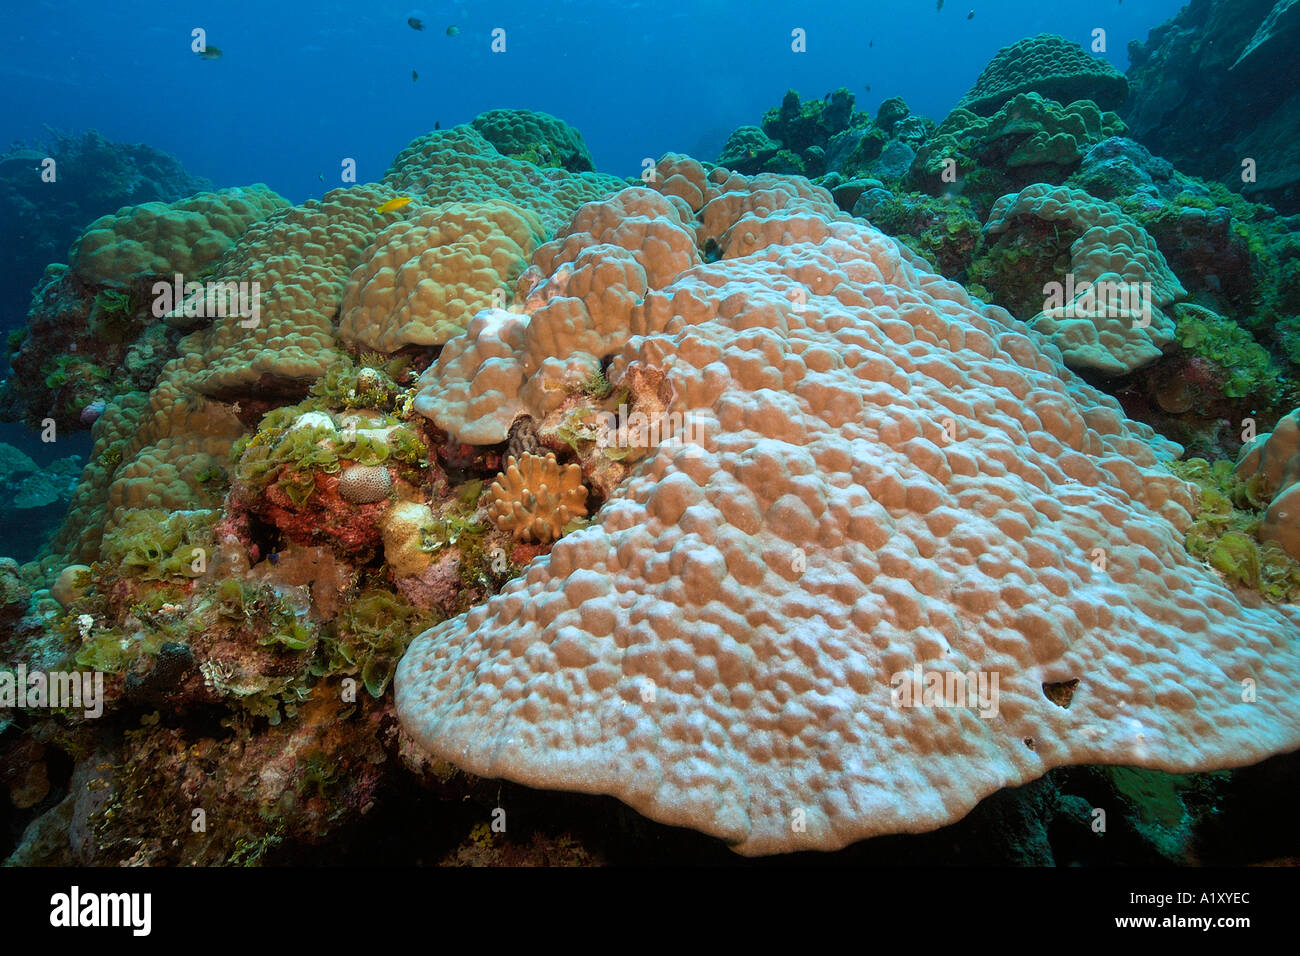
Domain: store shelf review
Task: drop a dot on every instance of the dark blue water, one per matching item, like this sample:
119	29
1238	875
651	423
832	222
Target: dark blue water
302	85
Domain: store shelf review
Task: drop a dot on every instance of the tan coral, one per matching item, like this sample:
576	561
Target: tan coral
302	258
1273	459
159	239
459	165
534	498
365	484
424	278
883	477
583	289
403	527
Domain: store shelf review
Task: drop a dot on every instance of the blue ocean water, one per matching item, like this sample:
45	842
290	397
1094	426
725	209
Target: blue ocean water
302	85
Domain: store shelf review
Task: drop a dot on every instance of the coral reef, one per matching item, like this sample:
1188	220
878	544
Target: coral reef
93	177
1228	534
94	329
537	138
839	147
1097	328
35	496
424	278
1273	461
1029	139
460	165
669	491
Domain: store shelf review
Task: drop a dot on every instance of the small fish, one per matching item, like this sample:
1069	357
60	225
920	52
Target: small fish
453	31
971	15
871	43
273	558
414	76
321	177
939	5
210	53
393	204
437	124
415	23
867	87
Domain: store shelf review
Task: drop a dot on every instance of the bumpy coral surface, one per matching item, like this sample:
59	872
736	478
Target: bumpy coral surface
425	277
1274	459
535	137
1048	64
1026	131
534	498
459	165
869	482
158	238
364	484
1114	322
577	308
302	258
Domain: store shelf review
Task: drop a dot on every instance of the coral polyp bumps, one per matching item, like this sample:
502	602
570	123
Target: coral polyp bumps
887	472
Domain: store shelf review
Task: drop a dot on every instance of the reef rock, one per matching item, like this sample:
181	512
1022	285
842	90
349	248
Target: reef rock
1208	93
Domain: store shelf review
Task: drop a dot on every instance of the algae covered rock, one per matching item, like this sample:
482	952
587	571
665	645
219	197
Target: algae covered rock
1208	92
1028	139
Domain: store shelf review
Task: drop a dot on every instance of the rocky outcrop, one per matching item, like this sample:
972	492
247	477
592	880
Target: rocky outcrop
1208	92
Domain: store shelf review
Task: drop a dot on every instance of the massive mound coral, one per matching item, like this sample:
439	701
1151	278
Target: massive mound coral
535	137
575	307
424	278
157	239
1048	64
303	259
460	165
1273	460
868	483
93	331
786	466
1028	139
1108	315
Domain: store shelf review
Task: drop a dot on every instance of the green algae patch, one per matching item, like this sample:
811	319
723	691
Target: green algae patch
369	637
1248	368
1224	531
157	545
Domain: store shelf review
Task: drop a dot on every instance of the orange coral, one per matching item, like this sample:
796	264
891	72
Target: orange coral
534	498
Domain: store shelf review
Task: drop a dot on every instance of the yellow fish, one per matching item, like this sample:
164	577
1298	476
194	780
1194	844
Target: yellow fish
393	204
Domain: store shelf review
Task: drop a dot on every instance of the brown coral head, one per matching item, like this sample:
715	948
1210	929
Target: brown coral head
534	498
365	484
